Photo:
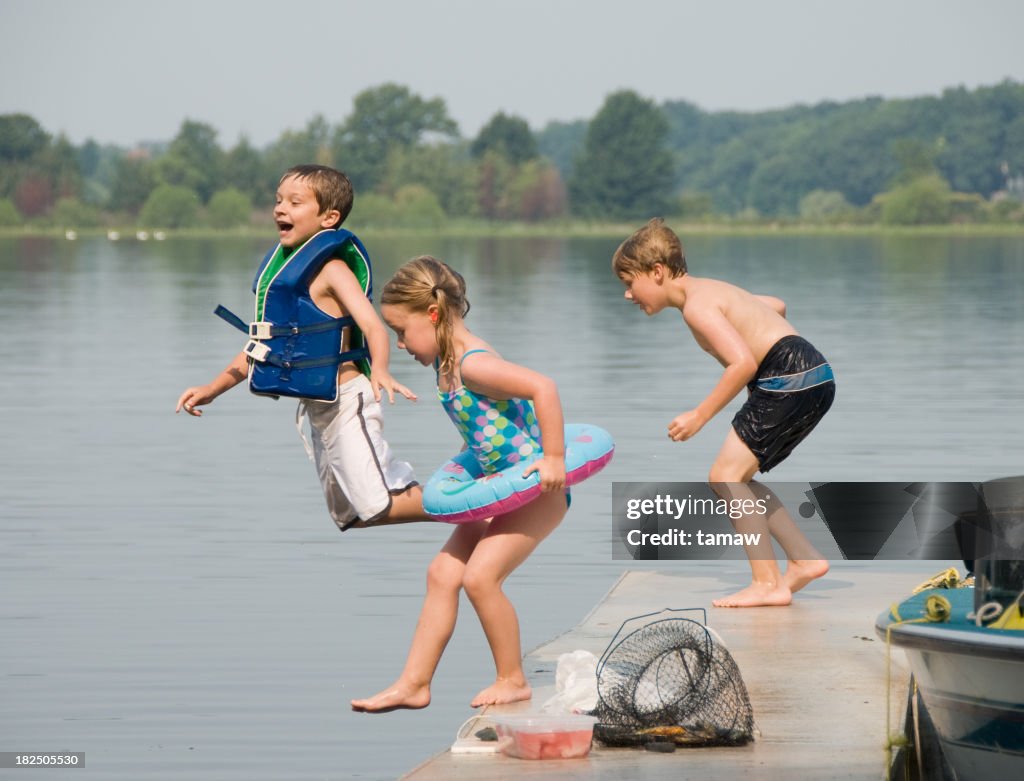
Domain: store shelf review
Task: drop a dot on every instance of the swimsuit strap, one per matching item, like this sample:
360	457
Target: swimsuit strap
465	355
468	353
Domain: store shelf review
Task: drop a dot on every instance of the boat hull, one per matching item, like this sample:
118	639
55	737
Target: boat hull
971	680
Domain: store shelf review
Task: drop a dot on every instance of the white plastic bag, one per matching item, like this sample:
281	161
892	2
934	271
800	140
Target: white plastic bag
575	684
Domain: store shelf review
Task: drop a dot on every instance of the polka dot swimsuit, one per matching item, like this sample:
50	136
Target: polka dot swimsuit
500	432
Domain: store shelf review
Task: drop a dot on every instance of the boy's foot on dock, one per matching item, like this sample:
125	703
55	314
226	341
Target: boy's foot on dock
397	696
501	693
758	595
799	573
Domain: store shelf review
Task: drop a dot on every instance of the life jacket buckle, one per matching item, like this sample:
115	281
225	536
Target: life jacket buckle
260	329
258	351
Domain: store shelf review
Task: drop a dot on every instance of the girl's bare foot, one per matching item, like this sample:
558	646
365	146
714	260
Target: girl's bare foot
502	692
799	573
758	595
398	695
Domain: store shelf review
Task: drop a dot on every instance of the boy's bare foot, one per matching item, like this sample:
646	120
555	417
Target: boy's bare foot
502	692
758	595
799	573
398	695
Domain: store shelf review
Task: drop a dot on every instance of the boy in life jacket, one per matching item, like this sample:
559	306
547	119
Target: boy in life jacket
317	337
789	387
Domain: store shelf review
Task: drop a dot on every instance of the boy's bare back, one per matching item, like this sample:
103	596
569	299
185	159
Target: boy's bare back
711	306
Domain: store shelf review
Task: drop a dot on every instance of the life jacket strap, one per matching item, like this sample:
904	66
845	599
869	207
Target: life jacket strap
231	318
267	330
260	353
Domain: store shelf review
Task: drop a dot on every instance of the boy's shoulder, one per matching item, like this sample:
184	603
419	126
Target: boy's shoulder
709	290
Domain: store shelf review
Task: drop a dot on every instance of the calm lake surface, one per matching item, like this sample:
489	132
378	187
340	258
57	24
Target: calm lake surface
176	601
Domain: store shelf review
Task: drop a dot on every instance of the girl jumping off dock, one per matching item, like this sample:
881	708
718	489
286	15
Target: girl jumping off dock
425	303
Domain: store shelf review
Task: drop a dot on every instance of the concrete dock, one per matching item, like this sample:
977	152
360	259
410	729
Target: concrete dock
815	672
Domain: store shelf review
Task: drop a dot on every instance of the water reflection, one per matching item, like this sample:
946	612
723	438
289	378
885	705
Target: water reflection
177	599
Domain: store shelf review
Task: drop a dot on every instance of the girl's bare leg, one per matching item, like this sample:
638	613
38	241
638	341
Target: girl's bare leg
503	547
434	628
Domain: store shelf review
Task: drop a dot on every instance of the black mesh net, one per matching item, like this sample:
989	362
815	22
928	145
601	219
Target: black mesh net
670	680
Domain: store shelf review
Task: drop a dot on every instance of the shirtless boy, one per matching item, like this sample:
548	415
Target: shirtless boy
789	383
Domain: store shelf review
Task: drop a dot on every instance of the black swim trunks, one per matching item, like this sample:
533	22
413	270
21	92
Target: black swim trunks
791	392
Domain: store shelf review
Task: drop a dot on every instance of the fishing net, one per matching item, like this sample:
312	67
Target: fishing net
670	681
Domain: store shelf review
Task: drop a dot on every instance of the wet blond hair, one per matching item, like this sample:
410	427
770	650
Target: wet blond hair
653	243
424	281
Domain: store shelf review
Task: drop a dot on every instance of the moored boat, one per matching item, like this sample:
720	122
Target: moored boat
970	677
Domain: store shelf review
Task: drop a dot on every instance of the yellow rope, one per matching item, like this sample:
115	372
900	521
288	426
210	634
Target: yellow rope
949	578
937	610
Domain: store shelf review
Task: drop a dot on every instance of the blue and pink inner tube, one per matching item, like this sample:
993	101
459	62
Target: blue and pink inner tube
460	491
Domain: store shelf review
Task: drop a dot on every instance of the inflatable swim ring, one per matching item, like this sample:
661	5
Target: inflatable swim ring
460	492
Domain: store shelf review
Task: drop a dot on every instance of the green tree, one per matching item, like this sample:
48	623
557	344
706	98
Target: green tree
246	171
444	169
823	205
98	166
170	206
134	179
625	170
21	137
924	201
10	217
194	160
59	161
695	206
508	136
562	143
229	208
385	118
915	159
311	145
373	210
536	192
493	176
1013	148
417	207
72	213
776	185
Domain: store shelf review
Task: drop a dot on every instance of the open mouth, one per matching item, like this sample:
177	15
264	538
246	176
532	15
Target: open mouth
283	226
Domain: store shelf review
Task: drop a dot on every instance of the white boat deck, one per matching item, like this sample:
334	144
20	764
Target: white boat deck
815	672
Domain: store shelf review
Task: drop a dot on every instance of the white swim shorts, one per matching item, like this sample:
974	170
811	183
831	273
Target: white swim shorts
355	465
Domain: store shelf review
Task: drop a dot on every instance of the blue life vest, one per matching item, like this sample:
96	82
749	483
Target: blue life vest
294	346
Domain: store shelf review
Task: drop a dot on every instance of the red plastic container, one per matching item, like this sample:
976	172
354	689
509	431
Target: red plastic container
542	736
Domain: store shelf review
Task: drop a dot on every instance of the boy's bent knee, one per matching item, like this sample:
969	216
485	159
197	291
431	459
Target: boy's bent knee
726	474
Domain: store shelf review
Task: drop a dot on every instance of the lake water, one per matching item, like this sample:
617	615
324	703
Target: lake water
175	600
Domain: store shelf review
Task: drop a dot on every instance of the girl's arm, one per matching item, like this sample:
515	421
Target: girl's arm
492	376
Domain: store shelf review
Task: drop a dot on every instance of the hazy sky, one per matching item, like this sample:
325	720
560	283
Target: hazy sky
128	71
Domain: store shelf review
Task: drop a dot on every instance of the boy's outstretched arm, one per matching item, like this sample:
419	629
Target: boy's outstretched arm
725	343
350	296
198	395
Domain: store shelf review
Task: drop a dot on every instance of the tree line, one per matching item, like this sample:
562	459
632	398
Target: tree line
958	156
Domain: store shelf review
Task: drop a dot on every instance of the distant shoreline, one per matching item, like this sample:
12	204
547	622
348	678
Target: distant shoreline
574	229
